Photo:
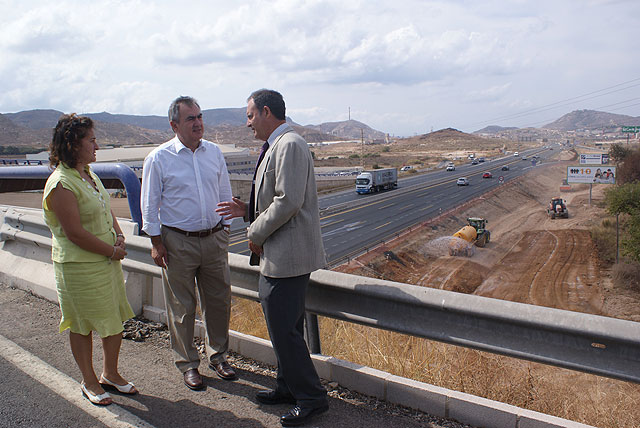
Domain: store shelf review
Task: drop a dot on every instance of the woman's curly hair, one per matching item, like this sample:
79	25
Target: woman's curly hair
67	134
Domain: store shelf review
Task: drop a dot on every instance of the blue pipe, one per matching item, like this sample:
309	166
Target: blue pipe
106	171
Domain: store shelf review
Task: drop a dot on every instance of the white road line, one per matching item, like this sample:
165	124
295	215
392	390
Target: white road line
112	416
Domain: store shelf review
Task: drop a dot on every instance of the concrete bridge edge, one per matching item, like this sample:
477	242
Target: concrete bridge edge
30	269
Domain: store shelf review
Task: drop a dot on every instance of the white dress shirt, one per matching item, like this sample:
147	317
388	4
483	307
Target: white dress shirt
276	133
182	189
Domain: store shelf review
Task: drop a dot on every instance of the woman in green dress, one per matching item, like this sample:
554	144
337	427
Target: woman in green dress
87	246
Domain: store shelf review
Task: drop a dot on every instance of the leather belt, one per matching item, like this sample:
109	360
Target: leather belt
198	233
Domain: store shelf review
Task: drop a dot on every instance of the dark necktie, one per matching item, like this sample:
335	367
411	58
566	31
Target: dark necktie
252	208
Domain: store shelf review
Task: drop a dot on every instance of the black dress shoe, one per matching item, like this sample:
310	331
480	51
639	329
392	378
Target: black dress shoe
301	415
223	370
274	397
193	379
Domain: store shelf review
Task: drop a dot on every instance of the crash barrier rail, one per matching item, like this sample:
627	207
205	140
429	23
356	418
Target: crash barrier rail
589	343
112	175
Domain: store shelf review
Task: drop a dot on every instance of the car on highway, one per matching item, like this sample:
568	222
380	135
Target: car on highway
474	162
516	154
505	167
462	181
487	174
451	167
480	159
524	158
405	168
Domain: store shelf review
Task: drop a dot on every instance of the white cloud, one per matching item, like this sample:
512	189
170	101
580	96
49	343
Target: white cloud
405	66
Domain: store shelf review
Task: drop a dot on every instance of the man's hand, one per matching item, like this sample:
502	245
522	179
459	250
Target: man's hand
232	209
158	252
256	249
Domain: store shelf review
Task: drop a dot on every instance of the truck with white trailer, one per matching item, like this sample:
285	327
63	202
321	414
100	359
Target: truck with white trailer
376	180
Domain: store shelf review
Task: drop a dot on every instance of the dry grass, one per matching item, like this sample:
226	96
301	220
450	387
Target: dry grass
627	276
604	238
567	394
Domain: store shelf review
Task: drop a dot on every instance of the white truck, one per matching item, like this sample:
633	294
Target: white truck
376	180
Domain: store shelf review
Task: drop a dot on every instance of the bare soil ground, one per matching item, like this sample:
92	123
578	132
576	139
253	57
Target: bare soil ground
530	259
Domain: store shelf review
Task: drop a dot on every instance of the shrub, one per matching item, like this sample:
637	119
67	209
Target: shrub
604	239
627	275
354	156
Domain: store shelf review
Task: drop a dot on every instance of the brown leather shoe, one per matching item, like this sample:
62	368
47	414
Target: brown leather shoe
223	370
193	379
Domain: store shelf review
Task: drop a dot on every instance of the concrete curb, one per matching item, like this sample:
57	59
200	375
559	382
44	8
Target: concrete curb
437	401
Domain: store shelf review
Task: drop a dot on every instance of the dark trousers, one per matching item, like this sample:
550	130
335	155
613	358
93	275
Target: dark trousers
282	302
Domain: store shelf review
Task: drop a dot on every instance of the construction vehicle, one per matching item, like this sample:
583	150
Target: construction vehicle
475	232
376	180
557	208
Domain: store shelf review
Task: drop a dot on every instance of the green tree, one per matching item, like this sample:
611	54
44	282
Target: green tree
629	169
625	199
618	152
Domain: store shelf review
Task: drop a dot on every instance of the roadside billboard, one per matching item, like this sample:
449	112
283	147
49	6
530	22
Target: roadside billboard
594	159
591	174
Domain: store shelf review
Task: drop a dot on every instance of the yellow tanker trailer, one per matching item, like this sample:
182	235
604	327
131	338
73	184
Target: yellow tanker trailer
473	233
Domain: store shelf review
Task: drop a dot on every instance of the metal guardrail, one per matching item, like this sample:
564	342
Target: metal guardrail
589	343
112	175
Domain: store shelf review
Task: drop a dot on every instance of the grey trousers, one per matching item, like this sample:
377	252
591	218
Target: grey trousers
202	264
282	302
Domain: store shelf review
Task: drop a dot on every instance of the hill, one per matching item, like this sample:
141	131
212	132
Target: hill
13	134
348	129
591	120
494	129
451	139
222	125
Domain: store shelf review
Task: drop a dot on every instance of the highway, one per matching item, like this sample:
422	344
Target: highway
351	222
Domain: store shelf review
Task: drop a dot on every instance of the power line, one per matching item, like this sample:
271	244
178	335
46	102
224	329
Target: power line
596	108
565	102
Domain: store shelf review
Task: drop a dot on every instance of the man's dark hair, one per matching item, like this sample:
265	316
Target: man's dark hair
65	143
174	108
271	99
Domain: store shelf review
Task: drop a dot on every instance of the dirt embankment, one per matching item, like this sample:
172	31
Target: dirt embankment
530	259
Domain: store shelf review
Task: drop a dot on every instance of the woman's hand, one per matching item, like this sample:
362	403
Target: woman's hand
120	241
118	253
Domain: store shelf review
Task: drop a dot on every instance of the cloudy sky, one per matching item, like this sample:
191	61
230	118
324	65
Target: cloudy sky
404	67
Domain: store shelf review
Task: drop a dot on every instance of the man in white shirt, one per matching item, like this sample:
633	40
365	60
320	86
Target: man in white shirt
183	180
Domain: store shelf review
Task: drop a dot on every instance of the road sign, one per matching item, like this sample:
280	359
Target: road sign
632	129
594	159
501	179
591	174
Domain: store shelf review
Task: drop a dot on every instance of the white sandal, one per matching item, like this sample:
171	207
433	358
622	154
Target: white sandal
95	399
129	388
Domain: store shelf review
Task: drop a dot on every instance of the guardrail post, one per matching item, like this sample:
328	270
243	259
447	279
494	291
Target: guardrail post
312	332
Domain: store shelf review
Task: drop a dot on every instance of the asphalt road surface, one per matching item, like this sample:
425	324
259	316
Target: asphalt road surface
351	223
40	384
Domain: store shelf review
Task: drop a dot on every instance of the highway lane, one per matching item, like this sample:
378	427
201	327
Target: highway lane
351	222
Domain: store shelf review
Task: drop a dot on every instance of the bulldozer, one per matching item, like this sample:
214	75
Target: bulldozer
475	232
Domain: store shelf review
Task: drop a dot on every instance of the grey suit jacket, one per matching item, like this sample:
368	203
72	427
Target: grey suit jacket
288	222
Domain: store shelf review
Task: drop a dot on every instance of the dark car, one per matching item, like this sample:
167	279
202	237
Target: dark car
487	174
474	162
480	159
505	168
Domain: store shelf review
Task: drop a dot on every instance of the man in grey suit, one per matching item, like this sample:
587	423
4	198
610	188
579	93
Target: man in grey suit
285	234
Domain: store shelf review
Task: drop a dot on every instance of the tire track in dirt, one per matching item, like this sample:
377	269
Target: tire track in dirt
545	268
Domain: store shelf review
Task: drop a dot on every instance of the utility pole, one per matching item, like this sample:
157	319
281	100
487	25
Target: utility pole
349	113
362	145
